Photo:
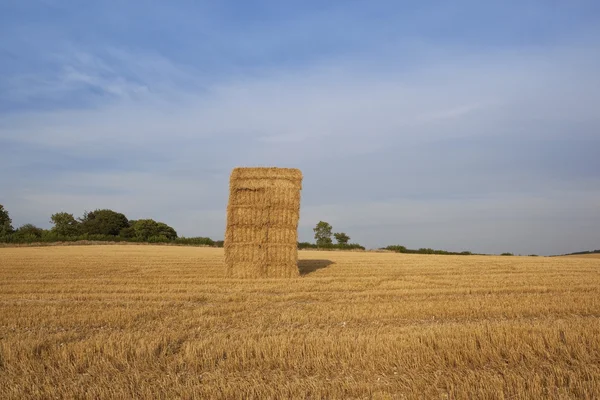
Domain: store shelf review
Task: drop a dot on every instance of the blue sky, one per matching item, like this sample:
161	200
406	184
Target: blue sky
462	125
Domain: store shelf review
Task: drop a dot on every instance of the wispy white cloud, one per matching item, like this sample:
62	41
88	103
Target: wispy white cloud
326	104
425	153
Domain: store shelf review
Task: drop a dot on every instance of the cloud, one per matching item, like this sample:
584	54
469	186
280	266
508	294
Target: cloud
427	146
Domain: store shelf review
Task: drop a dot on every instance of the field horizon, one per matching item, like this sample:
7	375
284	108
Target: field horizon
109	321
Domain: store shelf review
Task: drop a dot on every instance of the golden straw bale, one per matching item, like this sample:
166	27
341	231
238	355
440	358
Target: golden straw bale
261	240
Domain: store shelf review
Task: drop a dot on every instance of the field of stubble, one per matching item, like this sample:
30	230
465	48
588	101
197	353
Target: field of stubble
157	322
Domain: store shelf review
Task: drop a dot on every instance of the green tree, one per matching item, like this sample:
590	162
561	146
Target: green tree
29	231
6	227
397	249
65	224
341	238
103	222
145	229
323	233
129	232
166	231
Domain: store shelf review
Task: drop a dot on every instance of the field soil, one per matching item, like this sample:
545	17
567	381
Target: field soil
160	322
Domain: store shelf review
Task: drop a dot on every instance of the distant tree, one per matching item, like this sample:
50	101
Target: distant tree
323	233
65	224
129	232
507	254
341	238
145	229
397	248
103	222
29	231
6	227
166	231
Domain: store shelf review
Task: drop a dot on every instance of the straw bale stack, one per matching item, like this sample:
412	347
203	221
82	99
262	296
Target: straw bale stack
261	240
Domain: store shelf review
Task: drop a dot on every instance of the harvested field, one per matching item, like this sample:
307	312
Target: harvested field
164	322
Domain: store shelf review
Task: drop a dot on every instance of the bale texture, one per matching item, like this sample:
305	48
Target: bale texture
261	240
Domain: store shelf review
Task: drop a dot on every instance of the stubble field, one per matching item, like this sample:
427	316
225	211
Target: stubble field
163	322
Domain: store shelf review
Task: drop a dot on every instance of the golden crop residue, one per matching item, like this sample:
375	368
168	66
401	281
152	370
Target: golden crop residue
164	322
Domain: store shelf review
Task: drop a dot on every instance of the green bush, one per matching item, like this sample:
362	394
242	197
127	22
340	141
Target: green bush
397	249
424	250
196	241
306	245
330	246
158	239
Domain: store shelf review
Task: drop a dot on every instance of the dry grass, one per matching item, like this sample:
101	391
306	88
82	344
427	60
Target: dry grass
164	322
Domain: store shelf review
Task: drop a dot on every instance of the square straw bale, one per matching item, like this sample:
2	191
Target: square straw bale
261	240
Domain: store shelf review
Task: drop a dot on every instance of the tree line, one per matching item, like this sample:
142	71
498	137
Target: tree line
109	225
424	250
584	252
97	225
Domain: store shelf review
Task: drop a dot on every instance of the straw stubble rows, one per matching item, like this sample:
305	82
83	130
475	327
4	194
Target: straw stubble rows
165	322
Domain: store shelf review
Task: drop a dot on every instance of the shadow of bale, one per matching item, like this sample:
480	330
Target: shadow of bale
309	266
